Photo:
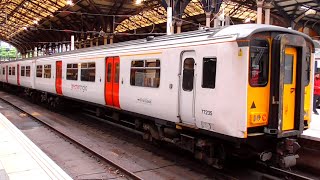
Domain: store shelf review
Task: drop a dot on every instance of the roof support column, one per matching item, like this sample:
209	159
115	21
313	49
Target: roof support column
111	39
64	49
105	40
35	51
97	41
208	18
91	42
259	11
179	24
72	43
267	7
170	24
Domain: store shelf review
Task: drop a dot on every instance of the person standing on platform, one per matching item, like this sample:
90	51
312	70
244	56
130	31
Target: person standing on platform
316	97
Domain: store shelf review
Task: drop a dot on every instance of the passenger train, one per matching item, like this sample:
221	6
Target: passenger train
241	89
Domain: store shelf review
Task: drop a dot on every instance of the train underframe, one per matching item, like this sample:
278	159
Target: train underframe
211	148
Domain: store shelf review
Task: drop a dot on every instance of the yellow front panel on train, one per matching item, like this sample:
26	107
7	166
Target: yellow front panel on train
289	89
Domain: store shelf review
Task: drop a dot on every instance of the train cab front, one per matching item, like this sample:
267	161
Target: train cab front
279	93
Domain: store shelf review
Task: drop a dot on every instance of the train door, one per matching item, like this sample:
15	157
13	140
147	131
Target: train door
7	69
59	77
112	81
18	74
186	94
290	66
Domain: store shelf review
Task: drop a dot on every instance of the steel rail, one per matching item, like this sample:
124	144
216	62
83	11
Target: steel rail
288	173
124	170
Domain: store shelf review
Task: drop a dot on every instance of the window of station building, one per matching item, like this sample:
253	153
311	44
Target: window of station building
13	71
27	71
39	71
259	63
23	70
72	72
209	72
47	71
88	71
145	73
9	70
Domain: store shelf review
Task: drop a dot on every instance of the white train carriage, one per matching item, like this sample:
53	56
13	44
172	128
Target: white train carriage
236	83
26	76
12	75
44	79
2	73
83	78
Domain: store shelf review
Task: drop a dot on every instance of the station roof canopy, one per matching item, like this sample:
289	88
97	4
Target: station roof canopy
32	23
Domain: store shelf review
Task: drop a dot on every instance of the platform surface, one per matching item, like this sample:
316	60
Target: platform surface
20	158
313	132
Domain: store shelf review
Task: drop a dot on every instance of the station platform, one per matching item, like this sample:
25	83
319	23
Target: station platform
20	158
313	133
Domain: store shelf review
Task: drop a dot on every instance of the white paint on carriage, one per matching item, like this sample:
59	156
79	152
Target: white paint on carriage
22	159
222	109
26	81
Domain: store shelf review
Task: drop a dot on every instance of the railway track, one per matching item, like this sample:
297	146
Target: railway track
123	170
274	172
271	173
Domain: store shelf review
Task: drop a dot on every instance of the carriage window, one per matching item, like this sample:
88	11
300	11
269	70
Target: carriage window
209	73
72	72
9	70
39	71
188	74
47	71
3	71
13	71
144	73
288	69
307	70
27	71
116	78
109	73
22	70
88	71
259	63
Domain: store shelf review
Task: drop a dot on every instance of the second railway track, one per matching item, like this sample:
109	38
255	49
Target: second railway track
122	169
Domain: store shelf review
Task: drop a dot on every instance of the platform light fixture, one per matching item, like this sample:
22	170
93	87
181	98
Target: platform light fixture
247	20
138	2
69	2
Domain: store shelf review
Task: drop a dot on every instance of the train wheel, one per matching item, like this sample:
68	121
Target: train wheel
219	157
34	98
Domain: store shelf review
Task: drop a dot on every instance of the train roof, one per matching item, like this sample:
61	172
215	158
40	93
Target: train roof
241	31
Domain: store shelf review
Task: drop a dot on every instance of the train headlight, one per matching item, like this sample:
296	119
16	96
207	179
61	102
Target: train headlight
258	117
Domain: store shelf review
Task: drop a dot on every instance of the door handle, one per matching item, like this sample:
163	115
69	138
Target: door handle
292	90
